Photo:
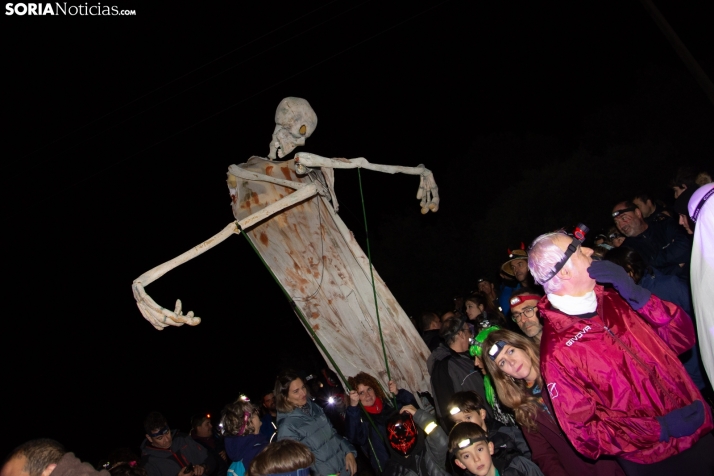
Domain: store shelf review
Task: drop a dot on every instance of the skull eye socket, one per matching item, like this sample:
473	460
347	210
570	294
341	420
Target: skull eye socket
303	130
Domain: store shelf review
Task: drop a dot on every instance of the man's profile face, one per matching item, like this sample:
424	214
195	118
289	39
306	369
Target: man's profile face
630	223
647	208
581	261
520	269
530	326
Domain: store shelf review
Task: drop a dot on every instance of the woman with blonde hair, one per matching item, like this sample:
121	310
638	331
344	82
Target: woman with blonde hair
370	431
513	361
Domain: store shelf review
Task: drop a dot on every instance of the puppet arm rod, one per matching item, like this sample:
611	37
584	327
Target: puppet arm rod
161	317
428	192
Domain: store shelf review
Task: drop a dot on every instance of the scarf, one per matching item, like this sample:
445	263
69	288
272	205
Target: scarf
581	306
376	408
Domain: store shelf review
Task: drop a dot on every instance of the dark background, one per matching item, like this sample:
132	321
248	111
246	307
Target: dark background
118	132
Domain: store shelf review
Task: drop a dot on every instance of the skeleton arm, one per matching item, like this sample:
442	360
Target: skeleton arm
161	317
428	191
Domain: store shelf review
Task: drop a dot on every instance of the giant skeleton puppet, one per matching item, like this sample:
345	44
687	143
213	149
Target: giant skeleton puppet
285	209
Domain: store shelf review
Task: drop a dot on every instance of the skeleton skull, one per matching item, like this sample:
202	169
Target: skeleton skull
295	121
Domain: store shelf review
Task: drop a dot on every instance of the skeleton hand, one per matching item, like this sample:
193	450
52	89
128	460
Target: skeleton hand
158	316
428	192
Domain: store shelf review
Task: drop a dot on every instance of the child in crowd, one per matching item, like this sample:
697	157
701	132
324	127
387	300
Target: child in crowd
470	407
473	451
284	457
240	423
418	446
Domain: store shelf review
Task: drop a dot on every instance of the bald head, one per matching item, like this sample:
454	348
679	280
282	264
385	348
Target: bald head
34	458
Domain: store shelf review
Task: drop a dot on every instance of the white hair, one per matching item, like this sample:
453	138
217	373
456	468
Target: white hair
543	255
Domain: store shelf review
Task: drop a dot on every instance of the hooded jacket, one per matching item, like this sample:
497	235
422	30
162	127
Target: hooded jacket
452	372
428	458
611	375
244	448
168	462
316	432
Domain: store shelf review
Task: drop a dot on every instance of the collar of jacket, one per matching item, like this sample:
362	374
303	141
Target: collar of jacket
560	321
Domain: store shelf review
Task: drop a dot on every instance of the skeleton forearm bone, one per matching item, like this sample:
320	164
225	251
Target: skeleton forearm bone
428	191
161	317
248	175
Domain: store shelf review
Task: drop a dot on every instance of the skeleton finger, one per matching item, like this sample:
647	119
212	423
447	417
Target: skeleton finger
434	204
420	191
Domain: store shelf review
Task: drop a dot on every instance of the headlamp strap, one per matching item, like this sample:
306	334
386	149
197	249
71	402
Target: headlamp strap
160	432
496	349
521	298
572	247
465	443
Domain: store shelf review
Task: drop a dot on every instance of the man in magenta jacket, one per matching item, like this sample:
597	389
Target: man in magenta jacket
609	360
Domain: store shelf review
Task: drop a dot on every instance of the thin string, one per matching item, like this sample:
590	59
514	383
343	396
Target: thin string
374	289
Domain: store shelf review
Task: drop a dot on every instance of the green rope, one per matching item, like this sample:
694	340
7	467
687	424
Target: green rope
309	328
374	289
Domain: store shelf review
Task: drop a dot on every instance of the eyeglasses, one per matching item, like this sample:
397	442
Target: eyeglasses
527	311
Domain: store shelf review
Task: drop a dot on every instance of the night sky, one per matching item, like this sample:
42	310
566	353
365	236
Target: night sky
119	131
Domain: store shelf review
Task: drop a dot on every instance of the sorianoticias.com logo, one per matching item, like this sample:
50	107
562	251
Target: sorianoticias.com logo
63	9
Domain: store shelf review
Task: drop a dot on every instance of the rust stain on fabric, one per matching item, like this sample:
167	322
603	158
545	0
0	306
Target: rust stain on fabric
254	196
268	169
264	238
315	315
286	172
316	327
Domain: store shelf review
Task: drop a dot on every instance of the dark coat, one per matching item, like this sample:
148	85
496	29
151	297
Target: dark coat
664	245
554	454
244	448
452	372
430	454
361	433
160	462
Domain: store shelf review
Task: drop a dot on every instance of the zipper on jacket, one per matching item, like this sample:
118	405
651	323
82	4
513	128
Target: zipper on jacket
650	371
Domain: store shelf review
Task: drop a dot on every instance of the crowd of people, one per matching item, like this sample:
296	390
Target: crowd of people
576	361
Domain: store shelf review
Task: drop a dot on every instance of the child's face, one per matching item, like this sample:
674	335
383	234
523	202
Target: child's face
256	423
477	417
476	458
